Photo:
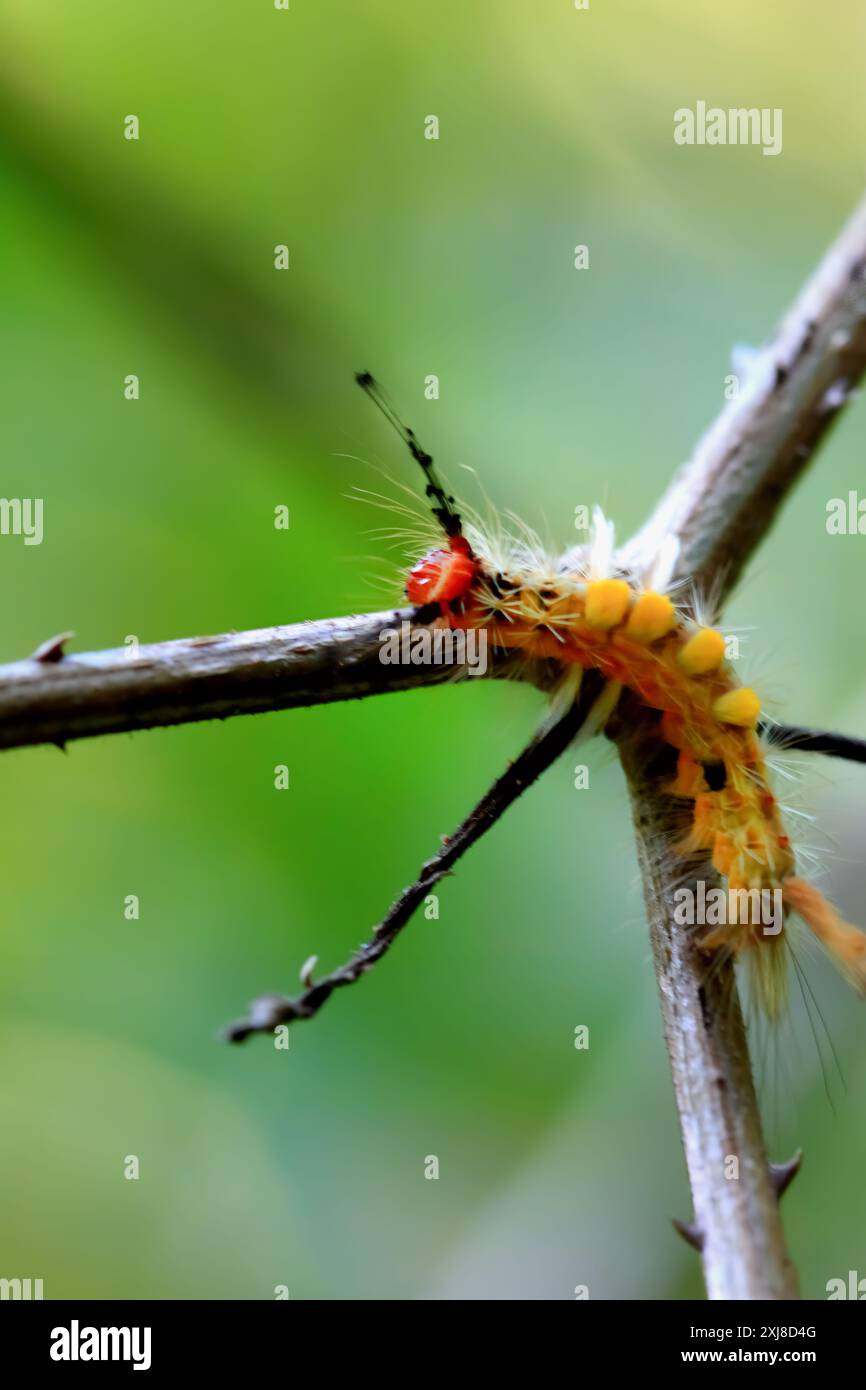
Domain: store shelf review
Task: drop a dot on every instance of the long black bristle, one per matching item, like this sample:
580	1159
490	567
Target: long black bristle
444	510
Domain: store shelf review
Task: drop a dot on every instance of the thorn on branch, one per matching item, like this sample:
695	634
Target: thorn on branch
781	1177
783	1174
306	971
690	1233
52	650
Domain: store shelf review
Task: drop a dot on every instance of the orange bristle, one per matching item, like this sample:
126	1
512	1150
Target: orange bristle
845	945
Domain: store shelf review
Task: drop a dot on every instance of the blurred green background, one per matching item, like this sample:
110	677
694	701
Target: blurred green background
306	1168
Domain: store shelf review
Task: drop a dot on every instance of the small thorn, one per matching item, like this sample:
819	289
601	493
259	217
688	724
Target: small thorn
306	972
52	650
783	1174
690	1233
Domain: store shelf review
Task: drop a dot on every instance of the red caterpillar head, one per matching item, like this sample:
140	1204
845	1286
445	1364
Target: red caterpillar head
443	575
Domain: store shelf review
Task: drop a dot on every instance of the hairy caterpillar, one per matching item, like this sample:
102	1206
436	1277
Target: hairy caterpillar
627	627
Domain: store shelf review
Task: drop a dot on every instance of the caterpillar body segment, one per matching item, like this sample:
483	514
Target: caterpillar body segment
637	638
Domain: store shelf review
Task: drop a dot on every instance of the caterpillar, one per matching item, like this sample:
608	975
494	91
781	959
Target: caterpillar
628	628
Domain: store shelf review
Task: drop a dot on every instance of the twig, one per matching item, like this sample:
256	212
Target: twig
720	507
109	692
787	736
271	1010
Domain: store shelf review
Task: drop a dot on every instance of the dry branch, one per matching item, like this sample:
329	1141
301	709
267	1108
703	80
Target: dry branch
737	1225
47	699
271	1010
721	506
